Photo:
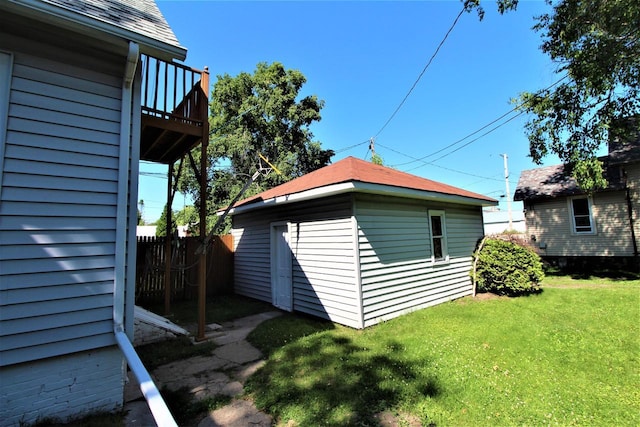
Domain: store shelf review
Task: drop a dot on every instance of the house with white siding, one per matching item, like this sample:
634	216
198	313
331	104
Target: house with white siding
357	243
578	230
73	119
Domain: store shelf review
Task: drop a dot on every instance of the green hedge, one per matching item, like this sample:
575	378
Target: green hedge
507	268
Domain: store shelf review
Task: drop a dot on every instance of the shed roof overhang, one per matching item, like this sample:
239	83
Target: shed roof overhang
363	188
114	35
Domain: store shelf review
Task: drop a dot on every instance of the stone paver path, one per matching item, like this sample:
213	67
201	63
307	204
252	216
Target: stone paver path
222	373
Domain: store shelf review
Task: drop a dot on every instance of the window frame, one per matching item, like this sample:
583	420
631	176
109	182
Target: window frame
572	215
445	249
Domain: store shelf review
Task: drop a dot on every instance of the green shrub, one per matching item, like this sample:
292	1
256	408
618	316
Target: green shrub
507	268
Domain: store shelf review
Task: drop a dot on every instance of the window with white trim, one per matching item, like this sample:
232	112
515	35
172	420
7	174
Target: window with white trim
438	233
581	215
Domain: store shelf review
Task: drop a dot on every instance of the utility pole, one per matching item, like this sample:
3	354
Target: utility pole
508	194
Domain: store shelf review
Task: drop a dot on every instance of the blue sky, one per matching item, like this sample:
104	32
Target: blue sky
362	58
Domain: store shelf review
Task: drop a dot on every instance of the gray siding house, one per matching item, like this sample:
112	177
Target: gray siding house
357	243
578	230
70	131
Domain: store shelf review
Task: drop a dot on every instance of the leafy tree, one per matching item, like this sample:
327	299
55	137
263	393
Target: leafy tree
596	44
259	113
161	223
188	216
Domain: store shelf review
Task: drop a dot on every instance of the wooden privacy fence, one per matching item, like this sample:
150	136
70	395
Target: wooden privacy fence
185	264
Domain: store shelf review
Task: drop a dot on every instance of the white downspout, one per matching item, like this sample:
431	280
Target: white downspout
149	390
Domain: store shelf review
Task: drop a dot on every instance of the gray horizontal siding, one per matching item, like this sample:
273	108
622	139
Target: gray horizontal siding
252	233
324	270
252	265
58	204
397	272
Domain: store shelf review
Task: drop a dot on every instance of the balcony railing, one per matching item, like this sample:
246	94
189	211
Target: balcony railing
174	109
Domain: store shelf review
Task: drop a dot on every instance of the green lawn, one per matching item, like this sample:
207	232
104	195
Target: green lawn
218	309
566	356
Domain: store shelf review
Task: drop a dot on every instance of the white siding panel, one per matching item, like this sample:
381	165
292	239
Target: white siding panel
60	131
37	195
252	258
39	223
45	101
252	262
58	348
54	76
45	169
63	118
88	278
27	180
57	212
21	295
64	144
64	332
397	273
17	252
320	248
52	154
41	263
11	328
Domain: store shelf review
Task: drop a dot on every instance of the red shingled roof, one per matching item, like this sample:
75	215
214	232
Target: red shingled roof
352	169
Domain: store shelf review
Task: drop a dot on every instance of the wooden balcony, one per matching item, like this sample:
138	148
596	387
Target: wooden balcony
174	110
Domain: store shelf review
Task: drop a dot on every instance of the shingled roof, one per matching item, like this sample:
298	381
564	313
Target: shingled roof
555	181
351	174
139	20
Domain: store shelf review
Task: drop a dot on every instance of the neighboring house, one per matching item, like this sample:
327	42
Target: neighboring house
357	243
497	221
71	137
146	231
150	230
575	229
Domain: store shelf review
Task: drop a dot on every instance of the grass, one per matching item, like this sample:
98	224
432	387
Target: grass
218	309
185	314
567	356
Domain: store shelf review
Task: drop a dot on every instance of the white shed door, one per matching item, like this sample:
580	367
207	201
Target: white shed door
281	281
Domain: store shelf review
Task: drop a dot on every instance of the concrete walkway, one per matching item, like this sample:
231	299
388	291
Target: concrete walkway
222	373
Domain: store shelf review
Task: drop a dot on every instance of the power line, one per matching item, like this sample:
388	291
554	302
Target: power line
465	173
458	141
475	139
441	167
455	21
479	130
351	146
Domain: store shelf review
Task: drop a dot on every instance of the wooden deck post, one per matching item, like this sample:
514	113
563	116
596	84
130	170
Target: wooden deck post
202	289
167	244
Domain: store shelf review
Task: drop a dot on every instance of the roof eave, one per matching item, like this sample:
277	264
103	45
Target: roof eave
74	21
360	187
520	197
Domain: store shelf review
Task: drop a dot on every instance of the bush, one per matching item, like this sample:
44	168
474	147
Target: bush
506	268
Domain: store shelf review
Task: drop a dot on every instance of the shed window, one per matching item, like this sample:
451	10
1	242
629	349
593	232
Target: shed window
581	215
438	236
